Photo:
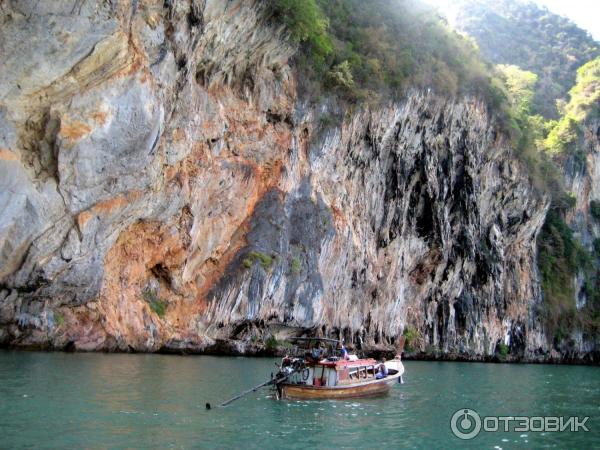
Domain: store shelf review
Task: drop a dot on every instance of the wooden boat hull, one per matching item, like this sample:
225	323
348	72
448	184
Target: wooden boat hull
365	389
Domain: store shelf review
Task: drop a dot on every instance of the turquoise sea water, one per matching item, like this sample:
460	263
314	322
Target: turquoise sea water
98	401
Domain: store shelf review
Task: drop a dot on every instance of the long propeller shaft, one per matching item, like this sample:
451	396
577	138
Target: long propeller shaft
256	388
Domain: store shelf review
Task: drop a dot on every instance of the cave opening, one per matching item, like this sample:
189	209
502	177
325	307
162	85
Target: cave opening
161	273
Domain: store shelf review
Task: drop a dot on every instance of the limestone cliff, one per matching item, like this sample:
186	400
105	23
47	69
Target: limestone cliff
582	179
163	188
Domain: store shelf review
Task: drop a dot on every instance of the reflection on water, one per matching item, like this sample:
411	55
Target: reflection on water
58	400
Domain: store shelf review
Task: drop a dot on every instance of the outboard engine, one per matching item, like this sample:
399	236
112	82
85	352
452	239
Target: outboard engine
289	366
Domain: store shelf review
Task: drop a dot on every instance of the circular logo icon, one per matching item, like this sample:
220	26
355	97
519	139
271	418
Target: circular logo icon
465	424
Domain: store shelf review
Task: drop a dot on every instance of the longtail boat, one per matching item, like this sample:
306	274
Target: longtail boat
322	374
335	377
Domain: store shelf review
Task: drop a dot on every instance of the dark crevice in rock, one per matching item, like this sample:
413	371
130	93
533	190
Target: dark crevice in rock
463	308
182	62
194	16
161	273
275	118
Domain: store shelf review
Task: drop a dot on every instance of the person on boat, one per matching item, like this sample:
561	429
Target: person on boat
383	371
316	353
344	352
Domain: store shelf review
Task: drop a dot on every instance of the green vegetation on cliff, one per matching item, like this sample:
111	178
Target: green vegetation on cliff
531	37
584	102
561	257
375	50
555	137
266	261
526	128
156	304
305	22
543	145
411	336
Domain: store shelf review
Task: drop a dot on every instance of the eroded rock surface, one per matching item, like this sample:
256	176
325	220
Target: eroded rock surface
582	180
163	188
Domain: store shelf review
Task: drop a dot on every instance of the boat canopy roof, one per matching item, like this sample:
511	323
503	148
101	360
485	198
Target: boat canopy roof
313	339
343	363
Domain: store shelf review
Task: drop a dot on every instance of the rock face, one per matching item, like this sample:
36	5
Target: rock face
163	188
582	179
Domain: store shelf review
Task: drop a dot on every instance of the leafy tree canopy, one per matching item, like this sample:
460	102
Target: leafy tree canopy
531	37
372	50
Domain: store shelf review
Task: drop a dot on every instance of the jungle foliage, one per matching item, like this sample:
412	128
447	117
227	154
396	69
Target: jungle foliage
531	37
544	145
370	51
584	103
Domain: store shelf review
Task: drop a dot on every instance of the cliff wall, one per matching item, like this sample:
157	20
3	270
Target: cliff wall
582	180
163	188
